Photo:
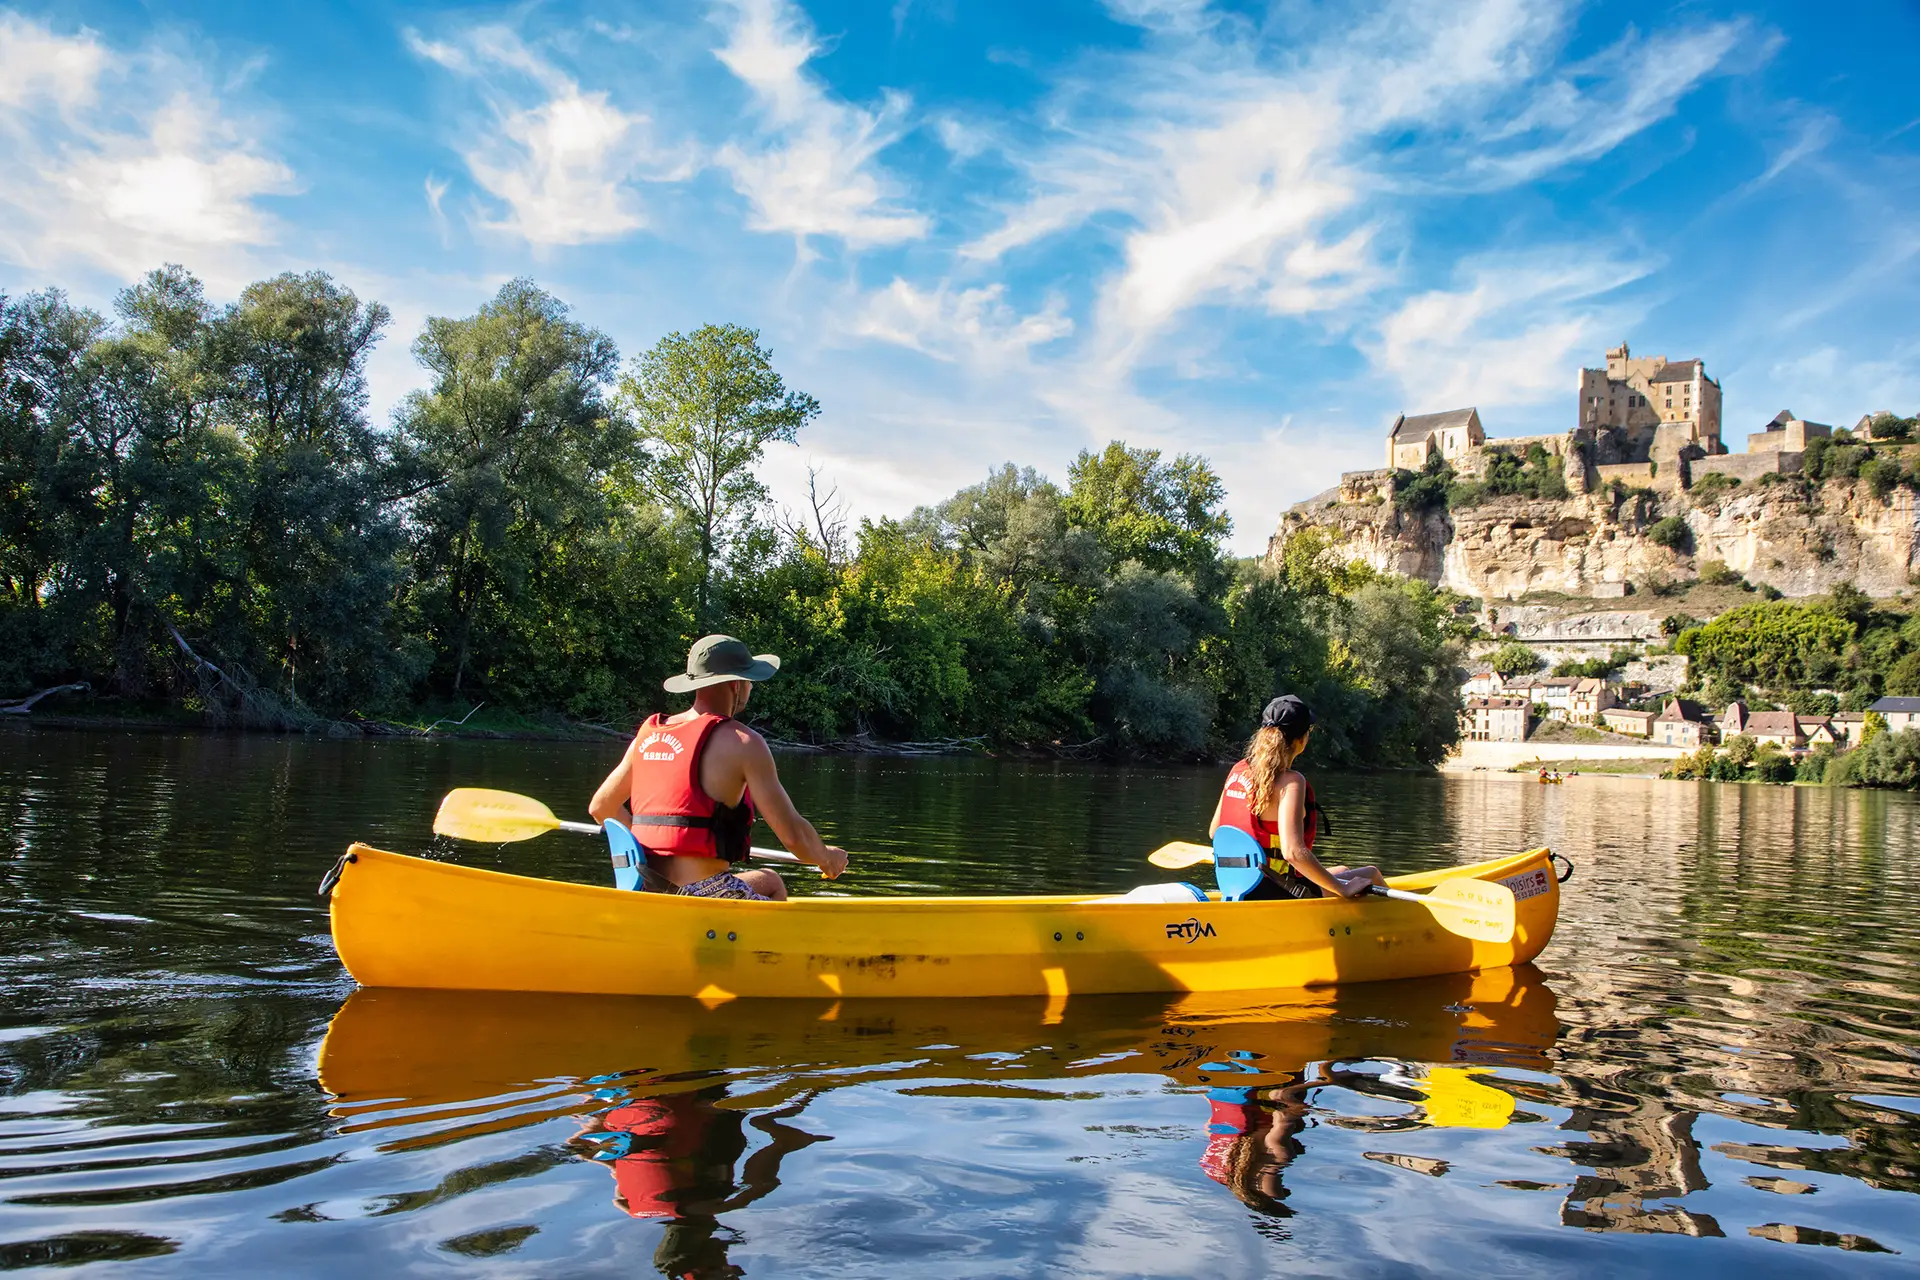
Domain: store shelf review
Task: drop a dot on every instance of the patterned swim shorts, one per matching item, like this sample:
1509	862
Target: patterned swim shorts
723	885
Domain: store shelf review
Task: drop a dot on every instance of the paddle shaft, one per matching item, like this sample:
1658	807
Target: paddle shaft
1404	896
765	855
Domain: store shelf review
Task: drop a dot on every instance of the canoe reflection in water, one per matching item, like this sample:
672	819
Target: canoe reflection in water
693	1109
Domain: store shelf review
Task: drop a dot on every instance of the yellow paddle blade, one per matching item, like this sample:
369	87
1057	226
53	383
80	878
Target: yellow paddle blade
1477	909
1455	1100
1180	854
492	817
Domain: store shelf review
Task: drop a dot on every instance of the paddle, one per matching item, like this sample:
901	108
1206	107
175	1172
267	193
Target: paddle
1477	909
501	817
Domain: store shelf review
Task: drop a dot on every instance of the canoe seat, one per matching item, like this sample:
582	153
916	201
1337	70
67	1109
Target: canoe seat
1239	863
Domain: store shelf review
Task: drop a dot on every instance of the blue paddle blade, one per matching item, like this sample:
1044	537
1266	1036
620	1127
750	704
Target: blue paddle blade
626	855
1238	863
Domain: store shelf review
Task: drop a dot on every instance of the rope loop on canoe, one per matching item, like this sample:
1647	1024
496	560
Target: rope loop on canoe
1566	875
333	877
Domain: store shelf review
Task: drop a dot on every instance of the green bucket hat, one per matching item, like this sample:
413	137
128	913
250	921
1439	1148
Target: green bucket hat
717	659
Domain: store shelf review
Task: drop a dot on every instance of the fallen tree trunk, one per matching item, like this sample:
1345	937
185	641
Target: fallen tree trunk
24	705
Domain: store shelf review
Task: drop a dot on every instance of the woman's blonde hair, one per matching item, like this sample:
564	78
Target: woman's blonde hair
1269	754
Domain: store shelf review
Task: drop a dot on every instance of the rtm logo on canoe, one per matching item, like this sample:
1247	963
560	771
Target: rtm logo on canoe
1190	929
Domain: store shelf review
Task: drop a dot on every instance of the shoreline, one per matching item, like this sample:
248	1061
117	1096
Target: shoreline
1502	757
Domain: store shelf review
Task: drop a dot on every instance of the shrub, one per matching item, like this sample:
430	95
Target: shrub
1883	760
1715	573
1423	491
1670	532
1813	765
1771	764
1713	487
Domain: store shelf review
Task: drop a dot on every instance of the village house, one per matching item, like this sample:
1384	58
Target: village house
1680	724
1483	684
1816	730
1733	721
1557	693
1782	728
1849	726
1497	719
1627	720
1899	713
1590	697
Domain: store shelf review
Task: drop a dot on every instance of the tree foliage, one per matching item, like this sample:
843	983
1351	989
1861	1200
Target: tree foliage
199	513
707	403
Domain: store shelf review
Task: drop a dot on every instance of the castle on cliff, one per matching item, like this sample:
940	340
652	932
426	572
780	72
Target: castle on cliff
1649	422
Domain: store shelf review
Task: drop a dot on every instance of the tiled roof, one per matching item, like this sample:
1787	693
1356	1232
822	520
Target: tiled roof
1623	713
1778	723
1681	709
1676	371
1420	426
1909	705
1496	704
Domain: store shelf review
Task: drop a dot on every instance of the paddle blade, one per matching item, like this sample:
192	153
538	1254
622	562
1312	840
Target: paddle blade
1455	1100
1477	909
1180	854
492	817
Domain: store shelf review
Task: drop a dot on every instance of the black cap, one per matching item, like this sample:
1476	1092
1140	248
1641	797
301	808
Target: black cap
1288	714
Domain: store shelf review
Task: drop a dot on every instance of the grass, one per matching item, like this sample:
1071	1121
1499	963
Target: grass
1652	768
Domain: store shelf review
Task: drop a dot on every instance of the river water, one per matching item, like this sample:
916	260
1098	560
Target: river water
1715	1065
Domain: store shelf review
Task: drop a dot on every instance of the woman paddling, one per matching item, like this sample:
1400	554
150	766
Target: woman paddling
1266	797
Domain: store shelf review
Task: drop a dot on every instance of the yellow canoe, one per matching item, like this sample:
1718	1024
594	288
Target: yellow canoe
408	922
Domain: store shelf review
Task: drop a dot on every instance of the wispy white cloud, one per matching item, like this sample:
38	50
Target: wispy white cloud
37	64
812	167
561	159
975	326
1512	333
1252	174
124	160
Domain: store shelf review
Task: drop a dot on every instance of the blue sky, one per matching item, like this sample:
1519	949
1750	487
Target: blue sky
982	232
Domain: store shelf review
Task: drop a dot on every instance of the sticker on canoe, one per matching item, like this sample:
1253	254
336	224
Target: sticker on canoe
1529	884
1190	929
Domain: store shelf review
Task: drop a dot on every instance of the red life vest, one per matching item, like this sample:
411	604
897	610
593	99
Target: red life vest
1235	812
672	813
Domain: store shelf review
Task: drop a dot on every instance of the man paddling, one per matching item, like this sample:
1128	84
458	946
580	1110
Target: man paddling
691	784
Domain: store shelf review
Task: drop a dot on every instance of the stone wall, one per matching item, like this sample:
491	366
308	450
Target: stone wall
1637	474
1747	467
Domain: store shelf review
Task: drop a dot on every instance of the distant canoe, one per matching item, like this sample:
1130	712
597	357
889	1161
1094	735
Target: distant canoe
408	922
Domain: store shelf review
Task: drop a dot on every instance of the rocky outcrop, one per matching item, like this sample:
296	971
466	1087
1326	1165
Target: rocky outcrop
1801	540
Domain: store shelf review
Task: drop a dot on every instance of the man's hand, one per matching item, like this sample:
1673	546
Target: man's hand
833	863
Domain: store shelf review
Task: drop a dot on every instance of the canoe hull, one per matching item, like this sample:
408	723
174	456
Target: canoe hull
408	922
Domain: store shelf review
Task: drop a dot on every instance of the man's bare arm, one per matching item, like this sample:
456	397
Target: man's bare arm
776	806
610	801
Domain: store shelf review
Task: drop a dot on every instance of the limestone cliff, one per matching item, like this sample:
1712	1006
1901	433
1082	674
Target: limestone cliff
1801	540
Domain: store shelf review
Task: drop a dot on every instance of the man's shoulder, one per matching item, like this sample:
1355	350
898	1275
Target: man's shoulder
738	735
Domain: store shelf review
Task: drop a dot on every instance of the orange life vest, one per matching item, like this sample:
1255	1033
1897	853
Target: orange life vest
672	813
1235	812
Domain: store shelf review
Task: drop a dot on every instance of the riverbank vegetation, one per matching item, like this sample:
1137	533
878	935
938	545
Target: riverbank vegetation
1836	653
199	514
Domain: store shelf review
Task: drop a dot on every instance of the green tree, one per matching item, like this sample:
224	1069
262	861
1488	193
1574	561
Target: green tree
707	404
321	561
1515	659
512	450
1164	516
